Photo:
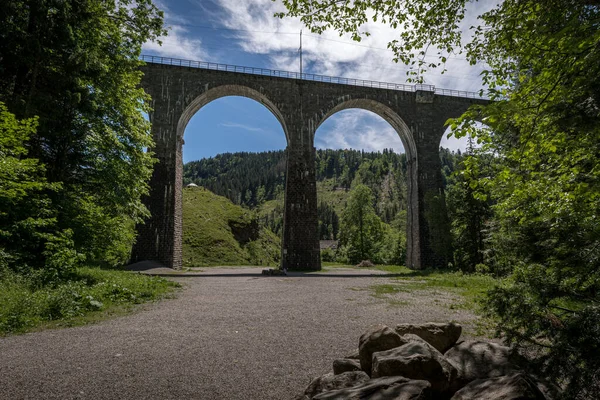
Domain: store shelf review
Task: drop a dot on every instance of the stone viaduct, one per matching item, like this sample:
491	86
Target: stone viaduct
179	88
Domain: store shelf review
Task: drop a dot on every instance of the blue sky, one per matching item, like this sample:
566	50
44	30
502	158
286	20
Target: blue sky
244	32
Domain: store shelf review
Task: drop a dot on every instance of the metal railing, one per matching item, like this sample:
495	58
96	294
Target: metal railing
459	93
307	77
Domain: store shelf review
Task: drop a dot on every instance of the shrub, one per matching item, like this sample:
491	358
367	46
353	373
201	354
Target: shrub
328	255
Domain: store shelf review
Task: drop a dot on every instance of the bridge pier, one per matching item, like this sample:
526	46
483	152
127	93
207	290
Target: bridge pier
300	246
160	237
434	247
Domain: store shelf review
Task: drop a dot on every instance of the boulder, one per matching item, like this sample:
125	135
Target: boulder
378	338
333	382
345	365
517	386
477	359
416	360
440	336
388	388
409	337
354	355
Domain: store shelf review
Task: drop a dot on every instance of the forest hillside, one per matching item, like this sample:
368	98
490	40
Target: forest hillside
255	182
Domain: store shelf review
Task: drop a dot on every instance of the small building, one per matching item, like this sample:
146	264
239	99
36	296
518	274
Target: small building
328	244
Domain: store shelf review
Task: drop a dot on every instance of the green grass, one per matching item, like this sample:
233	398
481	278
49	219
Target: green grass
271	206
92	294
470	287
335	198
218	232
325	193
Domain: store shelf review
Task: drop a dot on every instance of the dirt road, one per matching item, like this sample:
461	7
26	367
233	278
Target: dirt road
229	334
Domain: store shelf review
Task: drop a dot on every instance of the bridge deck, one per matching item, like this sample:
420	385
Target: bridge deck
308	77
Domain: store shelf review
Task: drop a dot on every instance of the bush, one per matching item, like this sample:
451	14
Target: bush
341	255
29	236
328	255
26	303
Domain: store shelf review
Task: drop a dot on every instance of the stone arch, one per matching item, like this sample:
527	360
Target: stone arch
223	91
187	113
413	256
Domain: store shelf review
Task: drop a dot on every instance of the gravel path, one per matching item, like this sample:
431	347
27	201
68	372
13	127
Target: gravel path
228	335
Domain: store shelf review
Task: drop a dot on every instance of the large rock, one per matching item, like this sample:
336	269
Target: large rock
476	359
440	336
345	365
389	388
378	338
333	382
516	386
416	360
354	355
409	337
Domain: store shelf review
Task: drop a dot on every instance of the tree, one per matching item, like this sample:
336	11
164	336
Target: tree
361	229
29	236
468	213
542	71
74	65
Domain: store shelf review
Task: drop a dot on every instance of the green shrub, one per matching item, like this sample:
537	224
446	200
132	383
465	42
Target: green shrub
328	255
27	302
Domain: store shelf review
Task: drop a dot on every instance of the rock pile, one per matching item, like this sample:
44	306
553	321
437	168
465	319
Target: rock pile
419	362
274	272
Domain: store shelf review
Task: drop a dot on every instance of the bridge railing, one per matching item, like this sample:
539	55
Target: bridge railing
459	93
308	77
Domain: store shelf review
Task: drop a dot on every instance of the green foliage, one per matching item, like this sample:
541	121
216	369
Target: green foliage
257	180
75	67
328	255
468	214
244	178
233	174
542	69
361	229
29	236
545	182
90	294
218	232
393	247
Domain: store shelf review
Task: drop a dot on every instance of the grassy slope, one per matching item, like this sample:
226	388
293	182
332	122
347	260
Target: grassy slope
208	238
336	198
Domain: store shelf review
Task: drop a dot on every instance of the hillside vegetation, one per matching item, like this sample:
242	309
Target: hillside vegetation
256	182
218	232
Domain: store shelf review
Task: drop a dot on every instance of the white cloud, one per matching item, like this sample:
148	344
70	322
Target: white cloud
328	55
177	43
357	129
241	126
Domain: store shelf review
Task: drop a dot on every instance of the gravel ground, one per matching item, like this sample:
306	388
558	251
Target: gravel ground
230	334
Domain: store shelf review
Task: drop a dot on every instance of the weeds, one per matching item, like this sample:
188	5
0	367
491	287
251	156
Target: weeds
90	294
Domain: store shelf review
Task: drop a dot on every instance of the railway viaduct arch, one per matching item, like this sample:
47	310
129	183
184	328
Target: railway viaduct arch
179	88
